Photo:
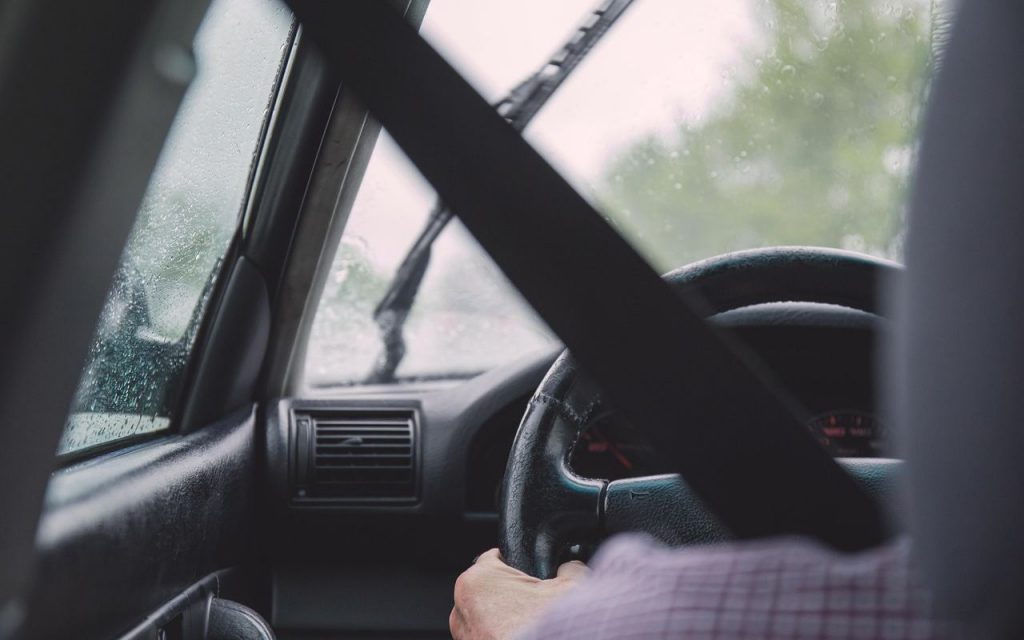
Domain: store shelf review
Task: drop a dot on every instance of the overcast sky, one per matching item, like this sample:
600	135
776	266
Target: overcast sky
665	61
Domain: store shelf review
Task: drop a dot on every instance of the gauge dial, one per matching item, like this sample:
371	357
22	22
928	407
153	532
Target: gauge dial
611	450
848	434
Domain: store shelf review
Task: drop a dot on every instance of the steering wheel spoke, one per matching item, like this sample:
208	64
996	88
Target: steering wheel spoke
666	508
545	505
661	506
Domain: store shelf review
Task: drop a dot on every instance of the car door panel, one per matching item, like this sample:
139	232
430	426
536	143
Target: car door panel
124	533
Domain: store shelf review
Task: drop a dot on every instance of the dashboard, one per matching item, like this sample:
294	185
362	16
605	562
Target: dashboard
824	355
612	450
426	463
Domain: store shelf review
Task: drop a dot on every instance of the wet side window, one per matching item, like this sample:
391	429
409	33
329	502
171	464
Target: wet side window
131	382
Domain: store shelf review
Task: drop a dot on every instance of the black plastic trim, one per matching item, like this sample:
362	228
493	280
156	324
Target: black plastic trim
229	364
305	106
126	532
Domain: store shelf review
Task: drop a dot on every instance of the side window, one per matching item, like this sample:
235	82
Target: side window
133	375
467	318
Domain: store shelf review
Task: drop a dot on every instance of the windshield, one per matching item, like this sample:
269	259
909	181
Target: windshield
696	128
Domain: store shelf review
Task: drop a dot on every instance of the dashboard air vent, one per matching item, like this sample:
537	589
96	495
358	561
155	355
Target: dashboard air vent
359	456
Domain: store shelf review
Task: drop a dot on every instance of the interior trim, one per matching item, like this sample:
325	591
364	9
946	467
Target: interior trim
126	532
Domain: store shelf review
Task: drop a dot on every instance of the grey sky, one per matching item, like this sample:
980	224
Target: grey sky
665	61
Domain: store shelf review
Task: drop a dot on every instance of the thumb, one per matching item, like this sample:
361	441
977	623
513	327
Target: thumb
574	570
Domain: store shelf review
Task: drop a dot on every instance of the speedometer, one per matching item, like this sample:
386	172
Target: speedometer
848	434
612	450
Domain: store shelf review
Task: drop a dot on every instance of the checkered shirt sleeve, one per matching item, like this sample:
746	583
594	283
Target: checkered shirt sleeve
780	589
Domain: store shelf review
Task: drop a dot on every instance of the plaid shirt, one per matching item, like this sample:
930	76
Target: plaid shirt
782	589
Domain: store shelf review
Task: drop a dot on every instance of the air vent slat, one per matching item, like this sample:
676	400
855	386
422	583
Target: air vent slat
349	456
341	433
362	446
330	437
383	473
364	456
384	422
365	449
361	427
365	452
354	475
364	463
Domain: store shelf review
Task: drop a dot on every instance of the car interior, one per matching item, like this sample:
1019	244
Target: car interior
247	397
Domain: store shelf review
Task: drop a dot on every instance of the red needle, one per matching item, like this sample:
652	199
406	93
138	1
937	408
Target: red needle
604	440
621	457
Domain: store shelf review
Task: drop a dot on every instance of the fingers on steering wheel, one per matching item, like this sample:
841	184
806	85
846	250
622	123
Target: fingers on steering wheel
573	570
488	556
455	623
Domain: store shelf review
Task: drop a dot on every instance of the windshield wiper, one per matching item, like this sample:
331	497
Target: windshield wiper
518	108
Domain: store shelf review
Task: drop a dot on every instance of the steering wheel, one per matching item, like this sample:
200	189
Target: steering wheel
545	505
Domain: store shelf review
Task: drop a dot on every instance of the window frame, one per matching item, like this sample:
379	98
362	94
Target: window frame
345	143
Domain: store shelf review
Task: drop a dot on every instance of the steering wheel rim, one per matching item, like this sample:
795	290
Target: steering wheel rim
544	504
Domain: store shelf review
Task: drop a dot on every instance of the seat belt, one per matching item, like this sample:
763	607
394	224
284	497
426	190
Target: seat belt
742	447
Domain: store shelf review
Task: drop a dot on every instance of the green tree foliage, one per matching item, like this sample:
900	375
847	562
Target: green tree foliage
811	145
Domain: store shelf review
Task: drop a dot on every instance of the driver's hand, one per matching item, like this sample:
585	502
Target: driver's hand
493	601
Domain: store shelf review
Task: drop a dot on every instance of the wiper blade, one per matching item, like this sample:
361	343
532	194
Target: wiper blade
518	108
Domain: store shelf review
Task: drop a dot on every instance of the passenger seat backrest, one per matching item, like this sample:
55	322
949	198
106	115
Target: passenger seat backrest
958	390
